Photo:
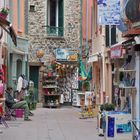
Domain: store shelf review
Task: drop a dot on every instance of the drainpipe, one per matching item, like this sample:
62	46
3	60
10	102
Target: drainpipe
86	27
81	33
81	30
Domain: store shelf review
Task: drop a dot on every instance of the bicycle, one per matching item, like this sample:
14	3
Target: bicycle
137	136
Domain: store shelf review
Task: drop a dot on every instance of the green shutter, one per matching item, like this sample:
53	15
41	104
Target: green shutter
107	35
60	17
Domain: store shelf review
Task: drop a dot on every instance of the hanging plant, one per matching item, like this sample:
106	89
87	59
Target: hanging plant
4	12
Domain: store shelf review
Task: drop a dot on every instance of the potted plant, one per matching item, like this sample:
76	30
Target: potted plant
4	12
107	107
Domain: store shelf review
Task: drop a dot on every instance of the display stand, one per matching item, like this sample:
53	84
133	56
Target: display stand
77	96
51	96
127	89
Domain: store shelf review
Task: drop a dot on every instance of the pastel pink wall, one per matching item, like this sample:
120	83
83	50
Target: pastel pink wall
4	3
84	19
90	6
19	30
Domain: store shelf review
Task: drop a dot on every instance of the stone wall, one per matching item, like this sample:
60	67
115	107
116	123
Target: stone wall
38	35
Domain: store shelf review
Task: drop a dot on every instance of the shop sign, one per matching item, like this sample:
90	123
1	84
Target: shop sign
93	58
116	52
66	55
109	12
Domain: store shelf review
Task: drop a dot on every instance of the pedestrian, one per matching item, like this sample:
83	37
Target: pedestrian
22	87
16	104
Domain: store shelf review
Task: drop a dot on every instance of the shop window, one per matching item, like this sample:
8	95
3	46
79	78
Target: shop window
55	17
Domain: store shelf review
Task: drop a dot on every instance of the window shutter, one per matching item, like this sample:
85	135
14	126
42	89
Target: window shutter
60	14
107	35
113	35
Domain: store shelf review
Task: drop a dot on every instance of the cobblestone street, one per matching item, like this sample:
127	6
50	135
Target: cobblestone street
52	124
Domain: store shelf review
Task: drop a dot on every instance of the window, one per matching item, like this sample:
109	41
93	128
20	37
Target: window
32	8
95	26
113	35
55	18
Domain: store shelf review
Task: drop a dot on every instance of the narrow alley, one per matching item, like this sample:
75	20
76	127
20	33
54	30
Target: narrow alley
52	124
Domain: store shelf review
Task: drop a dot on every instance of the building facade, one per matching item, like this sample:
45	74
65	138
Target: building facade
17	56
133	44
52	25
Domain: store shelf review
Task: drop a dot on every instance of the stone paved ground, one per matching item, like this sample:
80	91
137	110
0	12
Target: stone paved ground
52	124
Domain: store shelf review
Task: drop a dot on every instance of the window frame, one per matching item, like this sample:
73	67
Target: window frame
56	30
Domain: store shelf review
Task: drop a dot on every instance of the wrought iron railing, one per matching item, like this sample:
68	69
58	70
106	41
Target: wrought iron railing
55	31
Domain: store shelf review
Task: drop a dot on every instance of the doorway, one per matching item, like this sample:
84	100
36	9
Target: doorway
19	68
34	76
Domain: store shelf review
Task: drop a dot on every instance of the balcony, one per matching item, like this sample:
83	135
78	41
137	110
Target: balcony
55	31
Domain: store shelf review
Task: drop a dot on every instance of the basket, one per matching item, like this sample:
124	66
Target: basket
19	113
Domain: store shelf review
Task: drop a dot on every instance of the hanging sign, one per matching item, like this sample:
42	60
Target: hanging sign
116	51
108	12
66	55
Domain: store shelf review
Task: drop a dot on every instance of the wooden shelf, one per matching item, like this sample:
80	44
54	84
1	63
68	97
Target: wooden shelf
50	81
52	95
49	87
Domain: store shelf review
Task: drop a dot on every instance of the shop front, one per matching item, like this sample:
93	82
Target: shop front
124	77
60	79
68	73
5	27
18	60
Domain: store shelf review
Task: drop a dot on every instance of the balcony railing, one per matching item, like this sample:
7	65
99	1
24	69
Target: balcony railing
55	31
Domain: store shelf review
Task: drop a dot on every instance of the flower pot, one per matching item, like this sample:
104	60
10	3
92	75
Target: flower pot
2	15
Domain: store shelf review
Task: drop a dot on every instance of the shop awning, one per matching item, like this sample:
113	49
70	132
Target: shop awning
16	50
7	26
116	49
